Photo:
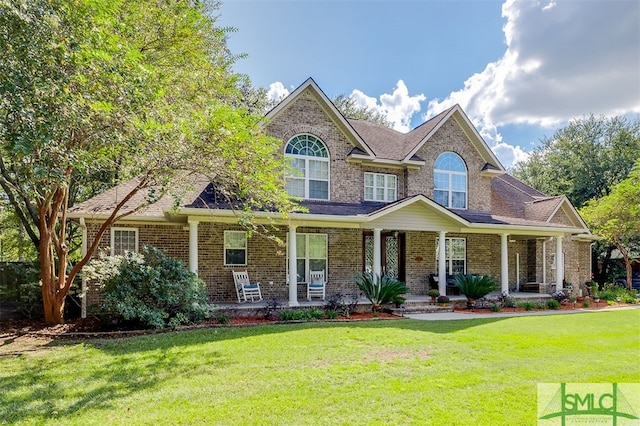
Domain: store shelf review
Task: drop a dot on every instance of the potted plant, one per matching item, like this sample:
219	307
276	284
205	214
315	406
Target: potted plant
433	293
443	300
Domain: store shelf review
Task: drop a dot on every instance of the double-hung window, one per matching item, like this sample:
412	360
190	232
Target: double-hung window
455	253
380	187
235	248
309	158
311	255
123	240
450	181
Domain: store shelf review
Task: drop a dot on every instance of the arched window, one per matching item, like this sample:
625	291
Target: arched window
309	156
450	181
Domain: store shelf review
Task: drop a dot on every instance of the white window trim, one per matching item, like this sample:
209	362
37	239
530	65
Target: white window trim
306	178
449	260
113	233
387	177
306	254
224	248
450	190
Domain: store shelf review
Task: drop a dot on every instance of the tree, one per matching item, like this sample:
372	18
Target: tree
119	89
584	159
350	109
616	217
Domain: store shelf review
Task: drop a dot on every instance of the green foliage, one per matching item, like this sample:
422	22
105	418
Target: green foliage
301	314
151	288
381	290
611	293
474	287
341	304
496	308
594	154
350	109
93	93
553	304
433	293
586	304
527	306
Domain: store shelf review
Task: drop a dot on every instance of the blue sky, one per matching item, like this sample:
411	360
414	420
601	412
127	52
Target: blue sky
519	68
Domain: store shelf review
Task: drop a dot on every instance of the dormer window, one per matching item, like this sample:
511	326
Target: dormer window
450	181
309	156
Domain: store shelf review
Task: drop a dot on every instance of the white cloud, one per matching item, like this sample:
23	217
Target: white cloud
509	155
398	106
277	92
563	60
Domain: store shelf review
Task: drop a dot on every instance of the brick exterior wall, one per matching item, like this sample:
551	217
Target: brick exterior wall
450	137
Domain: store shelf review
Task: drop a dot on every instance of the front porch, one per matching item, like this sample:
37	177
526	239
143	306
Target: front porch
413	301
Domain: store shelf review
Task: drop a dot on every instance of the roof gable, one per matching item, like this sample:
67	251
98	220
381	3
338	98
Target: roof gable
310	87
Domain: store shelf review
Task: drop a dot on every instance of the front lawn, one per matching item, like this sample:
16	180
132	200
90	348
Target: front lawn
478	371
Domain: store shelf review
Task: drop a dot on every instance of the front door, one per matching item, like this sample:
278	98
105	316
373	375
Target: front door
392	256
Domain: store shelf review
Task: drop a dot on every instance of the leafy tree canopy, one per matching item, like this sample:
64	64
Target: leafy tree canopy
119	89
350	109
584	159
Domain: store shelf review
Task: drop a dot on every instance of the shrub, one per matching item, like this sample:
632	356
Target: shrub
443	299
585	304
433	293
474	287
527	306
150	288
553	304
496	308
560	295
381	290
611	293
331	314
339	303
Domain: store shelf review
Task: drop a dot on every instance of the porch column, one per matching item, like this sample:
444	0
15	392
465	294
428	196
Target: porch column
377	253
193	246
504	263
442	264
293	268
559	264
83	298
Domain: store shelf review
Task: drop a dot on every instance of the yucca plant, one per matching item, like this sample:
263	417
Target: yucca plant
474	287
381	290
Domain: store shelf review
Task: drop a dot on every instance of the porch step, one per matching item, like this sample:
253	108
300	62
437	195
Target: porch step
415	308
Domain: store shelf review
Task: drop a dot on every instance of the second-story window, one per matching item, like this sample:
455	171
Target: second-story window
450	181
309	157
380	187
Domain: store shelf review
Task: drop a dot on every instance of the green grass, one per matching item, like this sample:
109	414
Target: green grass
482	371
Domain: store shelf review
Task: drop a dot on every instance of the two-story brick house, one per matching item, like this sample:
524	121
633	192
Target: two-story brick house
434	201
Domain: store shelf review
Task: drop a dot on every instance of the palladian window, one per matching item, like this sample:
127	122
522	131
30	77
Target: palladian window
450	181
309	158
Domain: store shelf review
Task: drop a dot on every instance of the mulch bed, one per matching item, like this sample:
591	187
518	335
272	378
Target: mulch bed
562	307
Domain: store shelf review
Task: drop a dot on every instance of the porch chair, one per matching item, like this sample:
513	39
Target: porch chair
244	289
317	284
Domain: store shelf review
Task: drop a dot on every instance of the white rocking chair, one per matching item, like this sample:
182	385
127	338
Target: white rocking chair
244	289
317	285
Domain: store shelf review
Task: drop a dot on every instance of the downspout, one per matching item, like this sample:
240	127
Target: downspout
83	294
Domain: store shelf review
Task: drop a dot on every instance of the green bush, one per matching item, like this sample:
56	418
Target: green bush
553	304
150	288
381	290
474	287
611	293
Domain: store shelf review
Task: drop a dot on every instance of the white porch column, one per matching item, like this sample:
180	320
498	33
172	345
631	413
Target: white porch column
442	264
193	246
544	261
377	253
559	264
293	267
504	263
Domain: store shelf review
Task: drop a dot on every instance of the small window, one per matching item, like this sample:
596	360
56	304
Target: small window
380	187
235	248
123	240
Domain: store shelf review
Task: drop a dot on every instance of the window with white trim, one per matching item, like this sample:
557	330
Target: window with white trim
123	240
309	158
455	254
450	181
311	254
380	187
235	248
